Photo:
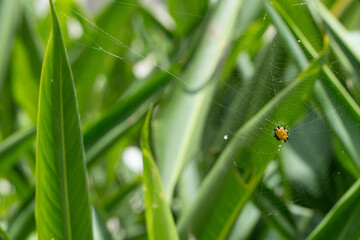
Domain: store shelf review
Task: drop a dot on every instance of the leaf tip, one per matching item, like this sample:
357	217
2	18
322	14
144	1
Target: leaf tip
51	4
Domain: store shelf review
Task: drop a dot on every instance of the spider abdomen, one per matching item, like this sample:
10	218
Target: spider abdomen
281	133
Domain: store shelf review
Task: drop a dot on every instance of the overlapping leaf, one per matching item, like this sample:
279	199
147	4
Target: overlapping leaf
225	190
343	111
180	121
342	221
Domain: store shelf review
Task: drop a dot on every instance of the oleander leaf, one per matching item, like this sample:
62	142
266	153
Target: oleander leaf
225	190
62	198
342	221
179	124
159	221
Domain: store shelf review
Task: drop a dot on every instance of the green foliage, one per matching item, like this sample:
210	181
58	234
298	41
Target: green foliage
345	213
9	19
181	120
160	223
205	211
3	235
62	198
215	78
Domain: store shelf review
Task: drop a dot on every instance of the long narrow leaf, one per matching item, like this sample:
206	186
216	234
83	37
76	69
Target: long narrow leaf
224	191
340	35
9	19
340	101
125	107
104	143
90	63
23	222
62	198
27	56
342	222
179	124
159	221
13	147
3	235
184	22
282	220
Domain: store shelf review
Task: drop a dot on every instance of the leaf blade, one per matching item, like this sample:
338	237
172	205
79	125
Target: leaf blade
182	118
290	28
341	36
13	146
3	235
340	222
204	213
9	19
159	220
62	198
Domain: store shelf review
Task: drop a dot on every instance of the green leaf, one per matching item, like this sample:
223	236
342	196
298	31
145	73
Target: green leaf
240	47
339	103
90	63
3	235
99	225
111	201
27	56
159	221
305	165
342	222
245	223
345	159
276	212
225	190
9	20
187	13
179	124
14	147
62	198
342	124
124	108
26	98
110	138
23	222
341	36
255	89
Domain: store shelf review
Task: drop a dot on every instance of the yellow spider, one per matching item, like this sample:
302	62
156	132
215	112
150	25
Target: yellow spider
281	133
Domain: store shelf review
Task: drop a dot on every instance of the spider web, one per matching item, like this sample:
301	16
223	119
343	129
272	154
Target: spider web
304	172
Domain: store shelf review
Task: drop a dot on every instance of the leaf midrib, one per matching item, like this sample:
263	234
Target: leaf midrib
63	155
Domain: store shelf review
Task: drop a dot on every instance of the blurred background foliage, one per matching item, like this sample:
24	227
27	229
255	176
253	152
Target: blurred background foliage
220	76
